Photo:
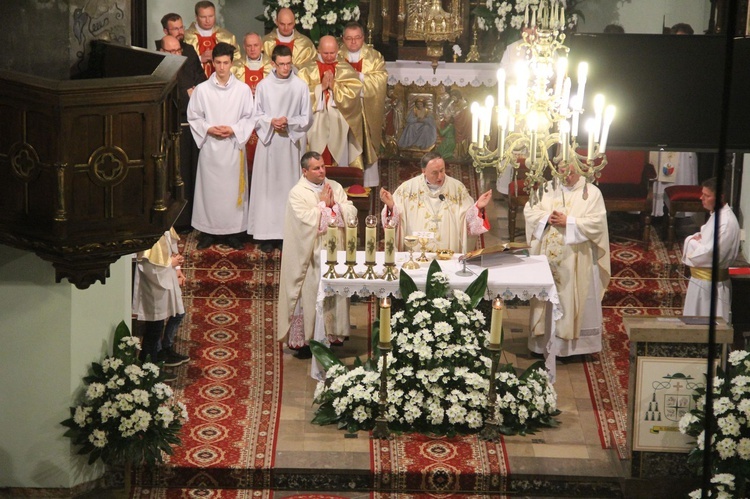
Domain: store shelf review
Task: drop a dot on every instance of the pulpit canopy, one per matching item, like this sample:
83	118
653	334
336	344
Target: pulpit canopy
87	169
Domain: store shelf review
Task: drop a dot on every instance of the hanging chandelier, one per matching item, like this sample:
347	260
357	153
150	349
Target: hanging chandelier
537	118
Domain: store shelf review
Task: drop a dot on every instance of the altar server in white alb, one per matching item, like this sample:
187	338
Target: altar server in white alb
313	203
282	108
434	202
220	114
569	226
697	254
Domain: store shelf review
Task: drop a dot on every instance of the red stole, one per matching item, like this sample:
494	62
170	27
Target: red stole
206	43
288	44
252	78
357	65
322	68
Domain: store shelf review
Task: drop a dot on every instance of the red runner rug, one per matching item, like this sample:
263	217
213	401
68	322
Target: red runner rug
643	283
232	385
444	466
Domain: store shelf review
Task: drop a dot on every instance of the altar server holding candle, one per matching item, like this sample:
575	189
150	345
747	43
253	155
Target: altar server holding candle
313	204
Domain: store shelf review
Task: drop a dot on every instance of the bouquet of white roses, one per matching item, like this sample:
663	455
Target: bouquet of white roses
316	17
129	414
506	17
437	379
730	443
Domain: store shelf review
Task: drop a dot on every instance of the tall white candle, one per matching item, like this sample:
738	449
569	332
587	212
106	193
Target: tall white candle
609	116
331	242
474	122
583	72
560	71
370	243
574	104
598	115
496	324
390	244
385	320
351	243
590	130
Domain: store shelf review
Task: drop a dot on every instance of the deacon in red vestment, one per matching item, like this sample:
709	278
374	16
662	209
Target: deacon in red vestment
303	49
203	34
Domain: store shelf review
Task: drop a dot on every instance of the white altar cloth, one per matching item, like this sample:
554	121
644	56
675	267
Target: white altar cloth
448	73
521	277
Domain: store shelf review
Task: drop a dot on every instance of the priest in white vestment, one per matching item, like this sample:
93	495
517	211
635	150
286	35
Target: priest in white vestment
220	114
313	204
434	202
569	226
282	110
335	89
697	254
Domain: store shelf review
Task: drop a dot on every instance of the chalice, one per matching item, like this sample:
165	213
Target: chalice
410	242
423	240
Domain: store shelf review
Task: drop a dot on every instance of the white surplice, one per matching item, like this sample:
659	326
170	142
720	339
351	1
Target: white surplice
698	252
220	202
277	158
578	255
447	211
156	288
305	225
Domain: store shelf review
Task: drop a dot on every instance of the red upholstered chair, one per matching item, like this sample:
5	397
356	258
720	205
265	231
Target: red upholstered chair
680	198
348	176
627	185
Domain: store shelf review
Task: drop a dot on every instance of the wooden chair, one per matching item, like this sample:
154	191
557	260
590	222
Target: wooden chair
627	185
679	198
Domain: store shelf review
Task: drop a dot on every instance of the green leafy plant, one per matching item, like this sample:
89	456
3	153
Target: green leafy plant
438	371
128	415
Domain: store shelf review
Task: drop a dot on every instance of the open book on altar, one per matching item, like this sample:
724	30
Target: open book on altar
497	254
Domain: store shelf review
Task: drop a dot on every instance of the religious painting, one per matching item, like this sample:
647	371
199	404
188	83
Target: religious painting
392	120
454	125
664	392
420	128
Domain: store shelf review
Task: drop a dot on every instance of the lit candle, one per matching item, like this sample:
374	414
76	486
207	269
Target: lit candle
565	101
385	320
496	326
564	140
609	116
574	104
501	88
390	243
522	72
370	238
474	122
526	16
562	68
351	242
562	17
590	130
331	241
532	123
598	115
583	72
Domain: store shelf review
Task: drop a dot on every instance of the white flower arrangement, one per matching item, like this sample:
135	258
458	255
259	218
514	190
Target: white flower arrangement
730	443
438	371
506	17
316	17
128	414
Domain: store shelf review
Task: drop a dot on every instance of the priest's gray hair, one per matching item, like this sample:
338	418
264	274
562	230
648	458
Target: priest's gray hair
305	161
429	157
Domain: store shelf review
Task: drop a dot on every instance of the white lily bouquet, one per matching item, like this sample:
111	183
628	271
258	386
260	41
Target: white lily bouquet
128	415
438	372
730	444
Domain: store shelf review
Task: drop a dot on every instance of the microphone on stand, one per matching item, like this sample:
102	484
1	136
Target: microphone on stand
441	197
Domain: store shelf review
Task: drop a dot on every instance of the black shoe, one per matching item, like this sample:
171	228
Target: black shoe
303	353
266	246
167	377
170	358
205	241
235	243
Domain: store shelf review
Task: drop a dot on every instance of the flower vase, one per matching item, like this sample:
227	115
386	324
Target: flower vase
119	478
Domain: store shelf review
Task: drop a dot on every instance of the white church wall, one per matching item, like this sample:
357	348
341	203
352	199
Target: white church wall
51	333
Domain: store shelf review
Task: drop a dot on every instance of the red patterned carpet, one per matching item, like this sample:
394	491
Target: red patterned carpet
232	386
643	283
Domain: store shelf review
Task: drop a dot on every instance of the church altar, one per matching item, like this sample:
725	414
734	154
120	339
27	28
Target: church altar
521	277
448	73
